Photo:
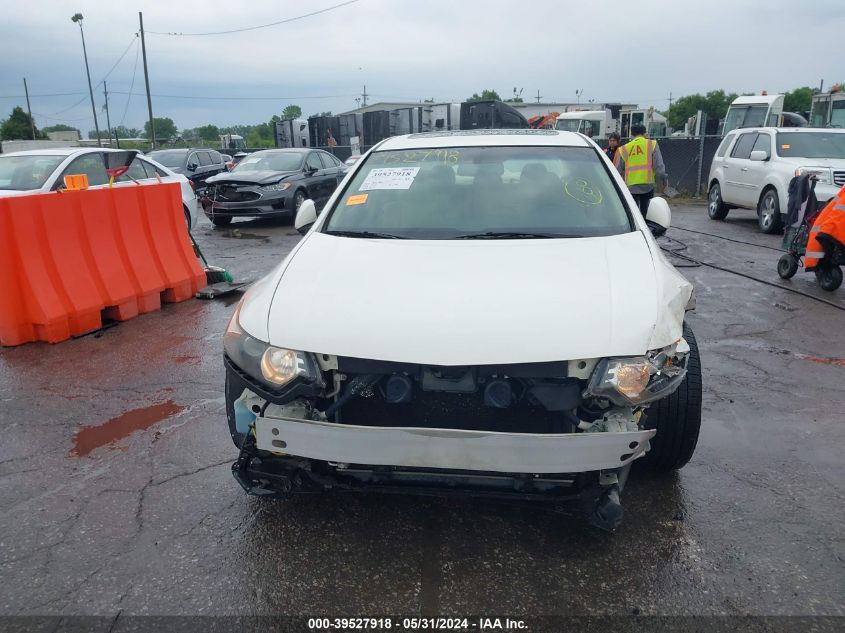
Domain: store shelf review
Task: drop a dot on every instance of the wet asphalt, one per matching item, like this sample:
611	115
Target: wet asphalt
116	494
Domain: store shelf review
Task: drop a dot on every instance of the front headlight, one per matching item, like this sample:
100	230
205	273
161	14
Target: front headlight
273	366
640	379
279	186
824	175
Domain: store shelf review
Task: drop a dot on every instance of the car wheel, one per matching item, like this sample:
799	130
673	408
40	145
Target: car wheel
768	212
787	266
677	419
298	198
829	277
187	218
221	220
716	208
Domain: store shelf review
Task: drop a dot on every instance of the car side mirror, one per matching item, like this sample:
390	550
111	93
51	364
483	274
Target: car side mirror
658	216
192	166
305	217
759	155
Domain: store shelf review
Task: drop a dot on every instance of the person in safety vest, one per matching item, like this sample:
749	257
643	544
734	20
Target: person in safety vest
827	230
639	160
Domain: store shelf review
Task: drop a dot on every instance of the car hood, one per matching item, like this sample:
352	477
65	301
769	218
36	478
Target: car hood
835	163
259	177
450	302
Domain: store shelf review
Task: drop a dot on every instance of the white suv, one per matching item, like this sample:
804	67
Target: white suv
482	313
752	169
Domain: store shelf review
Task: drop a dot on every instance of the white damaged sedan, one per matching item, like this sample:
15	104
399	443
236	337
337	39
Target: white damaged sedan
478	313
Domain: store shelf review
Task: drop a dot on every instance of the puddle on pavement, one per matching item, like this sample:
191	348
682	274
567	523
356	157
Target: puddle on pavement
839	362
91	437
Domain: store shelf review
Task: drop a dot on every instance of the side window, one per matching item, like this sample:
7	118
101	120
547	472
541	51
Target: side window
193	159
205	158
91	165
743	146
763	143
723	146
137	171
216	158
313	162
329	161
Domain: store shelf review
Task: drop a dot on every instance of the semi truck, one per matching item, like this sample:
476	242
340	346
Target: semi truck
598	124
828	108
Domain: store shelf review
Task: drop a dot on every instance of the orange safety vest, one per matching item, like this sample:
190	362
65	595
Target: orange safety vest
638	157
831	222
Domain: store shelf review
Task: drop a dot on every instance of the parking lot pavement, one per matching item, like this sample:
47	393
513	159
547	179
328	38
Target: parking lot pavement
116	493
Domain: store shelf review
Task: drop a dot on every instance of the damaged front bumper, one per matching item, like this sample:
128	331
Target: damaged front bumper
450	449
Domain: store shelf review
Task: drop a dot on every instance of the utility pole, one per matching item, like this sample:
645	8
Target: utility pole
108	119
364	97
147	82
77	17
538	96
28	109
670	100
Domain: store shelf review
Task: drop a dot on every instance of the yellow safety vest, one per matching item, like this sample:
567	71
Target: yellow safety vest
638	155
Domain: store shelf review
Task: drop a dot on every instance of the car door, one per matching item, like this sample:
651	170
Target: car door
92	164
737	190
316	179
218	163
192	167
757	170
206	168
334	174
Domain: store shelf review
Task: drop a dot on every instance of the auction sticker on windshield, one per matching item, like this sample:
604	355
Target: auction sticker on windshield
389	178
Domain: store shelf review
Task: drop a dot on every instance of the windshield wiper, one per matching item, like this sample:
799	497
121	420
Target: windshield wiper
367	234
510	235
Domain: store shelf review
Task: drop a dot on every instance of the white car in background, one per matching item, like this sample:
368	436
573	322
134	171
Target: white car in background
753	166
481	312
44	170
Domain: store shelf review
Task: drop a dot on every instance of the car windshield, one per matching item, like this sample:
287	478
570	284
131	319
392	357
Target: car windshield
481	192
811	145
26	173
169	159
270	161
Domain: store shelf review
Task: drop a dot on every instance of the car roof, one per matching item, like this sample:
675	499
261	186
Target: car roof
62	151
484	138
285	150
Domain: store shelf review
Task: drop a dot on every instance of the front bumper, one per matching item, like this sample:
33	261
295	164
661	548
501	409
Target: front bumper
274	203
450	449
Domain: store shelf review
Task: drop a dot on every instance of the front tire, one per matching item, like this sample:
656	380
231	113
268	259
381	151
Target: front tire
768	212
298	198
716	207
677	419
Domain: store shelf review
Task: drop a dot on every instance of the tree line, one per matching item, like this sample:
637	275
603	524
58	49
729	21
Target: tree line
18	125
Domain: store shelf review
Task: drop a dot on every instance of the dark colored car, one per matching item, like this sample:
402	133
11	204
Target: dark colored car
272	183
197	165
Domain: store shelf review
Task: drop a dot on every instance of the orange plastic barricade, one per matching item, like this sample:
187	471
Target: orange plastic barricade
74	257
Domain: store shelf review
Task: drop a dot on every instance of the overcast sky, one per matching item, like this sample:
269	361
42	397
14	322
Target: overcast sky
614	50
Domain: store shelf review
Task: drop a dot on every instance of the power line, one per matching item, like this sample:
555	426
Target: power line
122	55
55	94
131	85
199	97
260	26
63	119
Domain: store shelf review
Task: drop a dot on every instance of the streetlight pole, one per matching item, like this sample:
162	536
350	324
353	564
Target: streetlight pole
77	17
